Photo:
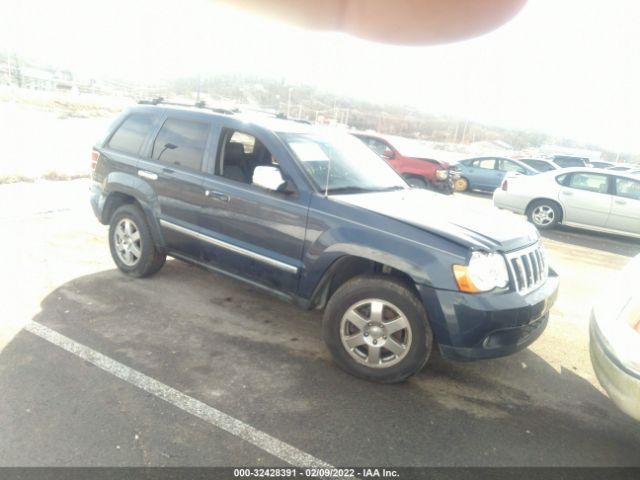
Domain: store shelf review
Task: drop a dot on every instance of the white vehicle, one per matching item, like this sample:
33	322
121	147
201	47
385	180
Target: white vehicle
595	199
615	339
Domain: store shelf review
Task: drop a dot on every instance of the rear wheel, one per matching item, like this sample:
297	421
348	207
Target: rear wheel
461	184
376	329
131	245
544	214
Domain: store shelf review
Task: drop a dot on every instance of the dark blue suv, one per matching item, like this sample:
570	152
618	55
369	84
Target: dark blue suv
315	217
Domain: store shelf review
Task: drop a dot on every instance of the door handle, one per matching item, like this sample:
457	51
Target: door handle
223	197
564	192
621	202
147	175
168	170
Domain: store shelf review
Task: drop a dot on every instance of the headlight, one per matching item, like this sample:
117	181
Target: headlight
441	174
485	272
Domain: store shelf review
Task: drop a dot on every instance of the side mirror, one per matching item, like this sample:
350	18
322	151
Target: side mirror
387	154
269	178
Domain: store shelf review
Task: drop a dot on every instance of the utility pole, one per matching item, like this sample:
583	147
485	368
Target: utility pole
464	131
9	66
289	102
199	87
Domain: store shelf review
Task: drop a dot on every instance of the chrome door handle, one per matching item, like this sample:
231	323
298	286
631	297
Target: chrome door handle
147	175
223	197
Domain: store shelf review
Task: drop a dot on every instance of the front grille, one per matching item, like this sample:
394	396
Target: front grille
528	268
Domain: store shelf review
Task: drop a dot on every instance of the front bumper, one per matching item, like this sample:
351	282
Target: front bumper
622	386
476	326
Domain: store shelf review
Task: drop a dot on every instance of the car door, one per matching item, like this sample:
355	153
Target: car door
625	209
173	167
483	173
585	199
249	231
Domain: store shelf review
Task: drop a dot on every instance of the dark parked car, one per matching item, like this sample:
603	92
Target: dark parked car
601	164
316	218
569	161
540	164
486	173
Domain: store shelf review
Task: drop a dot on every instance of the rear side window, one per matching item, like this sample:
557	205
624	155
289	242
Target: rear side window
625	187
181	143
591	182
131	134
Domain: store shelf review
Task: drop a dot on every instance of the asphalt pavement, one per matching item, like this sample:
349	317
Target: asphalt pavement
191	368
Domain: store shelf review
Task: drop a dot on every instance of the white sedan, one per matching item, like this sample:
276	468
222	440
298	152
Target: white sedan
595	199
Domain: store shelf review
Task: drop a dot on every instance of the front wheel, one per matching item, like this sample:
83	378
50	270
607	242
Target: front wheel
376	328
461	184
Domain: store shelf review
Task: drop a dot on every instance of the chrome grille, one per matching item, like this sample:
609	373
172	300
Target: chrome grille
528	268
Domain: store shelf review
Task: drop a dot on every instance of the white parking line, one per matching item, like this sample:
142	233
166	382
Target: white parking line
215	417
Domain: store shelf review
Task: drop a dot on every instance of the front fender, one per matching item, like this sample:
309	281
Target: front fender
424	264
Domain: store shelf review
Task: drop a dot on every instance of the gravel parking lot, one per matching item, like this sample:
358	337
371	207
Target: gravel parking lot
201	370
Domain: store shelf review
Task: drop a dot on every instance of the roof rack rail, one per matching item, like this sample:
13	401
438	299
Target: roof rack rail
274	114
200	104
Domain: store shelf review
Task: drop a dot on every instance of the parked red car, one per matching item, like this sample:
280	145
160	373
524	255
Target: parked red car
412	160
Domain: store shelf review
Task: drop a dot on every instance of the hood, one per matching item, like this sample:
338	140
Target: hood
450	217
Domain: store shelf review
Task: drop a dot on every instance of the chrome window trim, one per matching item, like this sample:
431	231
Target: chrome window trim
228	246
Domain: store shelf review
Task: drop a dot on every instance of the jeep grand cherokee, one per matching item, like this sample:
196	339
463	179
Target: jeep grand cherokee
315	217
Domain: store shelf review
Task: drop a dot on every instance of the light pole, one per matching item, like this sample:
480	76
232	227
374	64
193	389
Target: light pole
289	102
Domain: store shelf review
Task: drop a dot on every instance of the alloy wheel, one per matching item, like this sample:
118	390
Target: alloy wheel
375	333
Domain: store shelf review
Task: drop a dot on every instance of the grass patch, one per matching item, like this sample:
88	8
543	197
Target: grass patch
55	175
52	176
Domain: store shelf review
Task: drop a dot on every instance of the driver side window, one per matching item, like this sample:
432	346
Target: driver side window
239	155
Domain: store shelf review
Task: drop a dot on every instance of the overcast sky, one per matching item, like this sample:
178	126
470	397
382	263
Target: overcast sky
569	67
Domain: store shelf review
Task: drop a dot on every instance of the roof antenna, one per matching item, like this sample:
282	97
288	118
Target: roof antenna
326	186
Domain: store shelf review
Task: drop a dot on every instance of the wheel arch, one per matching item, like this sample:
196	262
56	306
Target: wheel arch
123	195
348	267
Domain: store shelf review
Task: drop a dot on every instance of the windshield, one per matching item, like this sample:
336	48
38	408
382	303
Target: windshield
351	166
412	148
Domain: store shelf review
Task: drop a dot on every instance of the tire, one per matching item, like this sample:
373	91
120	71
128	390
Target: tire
461	184
351	327
131	245
544	214
417	182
